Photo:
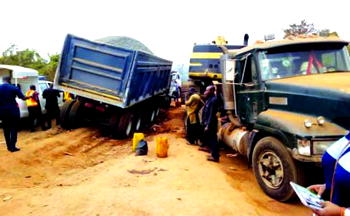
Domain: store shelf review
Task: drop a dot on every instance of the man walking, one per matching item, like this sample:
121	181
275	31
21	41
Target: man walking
210	123
52	110
34	108
9	112
193	105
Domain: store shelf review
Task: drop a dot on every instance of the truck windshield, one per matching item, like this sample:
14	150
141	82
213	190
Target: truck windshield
296	61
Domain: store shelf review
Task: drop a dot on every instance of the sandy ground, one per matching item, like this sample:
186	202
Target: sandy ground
80	172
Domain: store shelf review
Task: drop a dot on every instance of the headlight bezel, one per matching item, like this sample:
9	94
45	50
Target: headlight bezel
304	147
319	146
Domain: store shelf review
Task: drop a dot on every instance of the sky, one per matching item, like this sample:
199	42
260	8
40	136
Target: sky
168	27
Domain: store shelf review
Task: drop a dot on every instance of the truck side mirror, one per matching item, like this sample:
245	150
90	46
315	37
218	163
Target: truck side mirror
228	71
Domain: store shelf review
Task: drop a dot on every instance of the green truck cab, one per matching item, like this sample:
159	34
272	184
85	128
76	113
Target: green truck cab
287	101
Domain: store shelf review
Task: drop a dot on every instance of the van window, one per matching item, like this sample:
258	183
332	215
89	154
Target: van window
43	86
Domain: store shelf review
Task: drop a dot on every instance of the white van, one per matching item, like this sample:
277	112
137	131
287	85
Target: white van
24	78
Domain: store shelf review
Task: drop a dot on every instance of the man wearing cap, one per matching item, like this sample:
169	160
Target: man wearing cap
210	123
193	105
9	112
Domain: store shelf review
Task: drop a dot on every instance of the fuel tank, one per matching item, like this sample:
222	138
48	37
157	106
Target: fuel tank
235	137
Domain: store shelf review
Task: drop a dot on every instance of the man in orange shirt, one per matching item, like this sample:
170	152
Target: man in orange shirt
34	108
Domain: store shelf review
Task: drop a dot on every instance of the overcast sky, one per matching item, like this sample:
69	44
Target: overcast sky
168	27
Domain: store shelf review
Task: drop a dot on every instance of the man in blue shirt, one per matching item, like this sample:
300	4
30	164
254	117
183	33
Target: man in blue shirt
336	166
9	112
210	123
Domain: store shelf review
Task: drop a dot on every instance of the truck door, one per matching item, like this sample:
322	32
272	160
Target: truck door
249	94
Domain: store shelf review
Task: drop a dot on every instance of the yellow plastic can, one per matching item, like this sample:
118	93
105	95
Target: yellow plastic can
136	139
162	147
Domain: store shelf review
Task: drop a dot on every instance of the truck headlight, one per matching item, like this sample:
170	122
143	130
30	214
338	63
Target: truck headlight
320	120
307	123
304	147
319	146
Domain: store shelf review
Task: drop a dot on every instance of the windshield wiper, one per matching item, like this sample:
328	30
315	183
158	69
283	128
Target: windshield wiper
336	71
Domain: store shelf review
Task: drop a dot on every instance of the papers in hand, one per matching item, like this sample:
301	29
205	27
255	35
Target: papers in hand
308	198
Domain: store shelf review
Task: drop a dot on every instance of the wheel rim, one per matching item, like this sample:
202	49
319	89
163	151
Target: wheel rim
128	128
271	169
157	111
153	115
138	124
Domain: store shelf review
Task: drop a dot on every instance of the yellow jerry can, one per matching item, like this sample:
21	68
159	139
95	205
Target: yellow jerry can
136	139
162	147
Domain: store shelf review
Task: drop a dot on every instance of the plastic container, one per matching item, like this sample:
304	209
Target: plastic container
162	147
136	139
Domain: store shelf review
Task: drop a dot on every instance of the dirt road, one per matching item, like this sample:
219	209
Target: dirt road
80	172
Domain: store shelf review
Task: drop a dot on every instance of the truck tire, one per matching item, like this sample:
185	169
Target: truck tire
64	114
139	120
75	114
153	115
274	168
166	101
126	125
157	111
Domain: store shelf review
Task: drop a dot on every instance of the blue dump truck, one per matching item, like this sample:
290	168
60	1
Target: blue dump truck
119	88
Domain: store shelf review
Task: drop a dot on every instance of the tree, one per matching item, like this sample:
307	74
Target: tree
303	28
49	69
26	58
31	59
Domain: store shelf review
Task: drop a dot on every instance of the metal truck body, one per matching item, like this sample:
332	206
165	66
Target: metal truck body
287	101
111	79
205	61
204	68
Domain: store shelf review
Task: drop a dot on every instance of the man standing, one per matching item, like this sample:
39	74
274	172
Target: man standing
193	105
51	106
9	112
210	123
34	108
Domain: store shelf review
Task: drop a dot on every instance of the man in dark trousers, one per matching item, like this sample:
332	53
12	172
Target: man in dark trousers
210	123
52	110
193	105
34	108
9	112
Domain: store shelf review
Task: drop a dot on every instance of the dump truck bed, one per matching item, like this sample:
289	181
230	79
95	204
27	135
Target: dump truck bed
110	74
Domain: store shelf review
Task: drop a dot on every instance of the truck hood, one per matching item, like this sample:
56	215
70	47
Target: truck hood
326	95
330	81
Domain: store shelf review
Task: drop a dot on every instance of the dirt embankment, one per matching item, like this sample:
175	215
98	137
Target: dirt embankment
80	172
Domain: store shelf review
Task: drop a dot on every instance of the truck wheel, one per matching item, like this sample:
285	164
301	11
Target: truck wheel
152	115
138	123
64	114
274	168
166	102
126	125
157	111
75	114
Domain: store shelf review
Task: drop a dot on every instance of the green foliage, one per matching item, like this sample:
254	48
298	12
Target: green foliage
49	69
31	59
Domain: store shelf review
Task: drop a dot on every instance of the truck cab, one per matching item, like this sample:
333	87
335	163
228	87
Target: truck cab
288	101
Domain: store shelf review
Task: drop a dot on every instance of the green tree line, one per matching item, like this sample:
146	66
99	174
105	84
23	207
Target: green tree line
31	59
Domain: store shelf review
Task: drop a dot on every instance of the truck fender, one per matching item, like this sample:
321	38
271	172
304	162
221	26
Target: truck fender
251	146
259	133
